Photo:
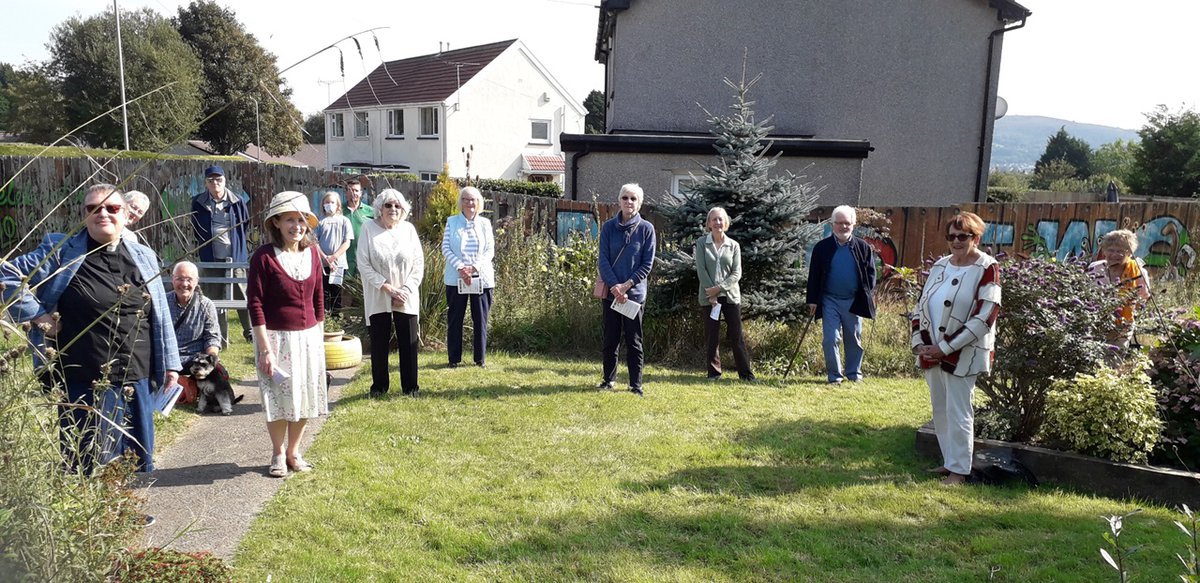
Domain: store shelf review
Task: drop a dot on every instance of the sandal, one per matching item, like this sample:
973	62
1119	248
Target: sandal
278	467
299	465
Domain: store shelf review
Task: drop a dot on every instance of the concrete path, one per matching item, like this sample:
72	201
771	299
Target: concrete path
213	480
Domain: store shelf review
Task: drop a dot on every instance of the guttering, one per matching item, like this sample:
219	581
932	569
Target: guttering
575	169
705	145
980	187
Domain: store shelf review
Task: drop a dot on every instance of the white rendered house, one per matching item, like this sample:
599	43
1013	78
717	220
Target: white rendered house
494	106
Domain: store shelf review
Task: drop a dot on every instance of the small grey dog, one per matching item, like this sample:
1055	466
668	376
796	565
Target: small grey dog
212	383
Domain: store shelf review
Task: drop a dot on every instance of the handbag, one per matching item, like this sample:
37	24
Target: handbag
600	289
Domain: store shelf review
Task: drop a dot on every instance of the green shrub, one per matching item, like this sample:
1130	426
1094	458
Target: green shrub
55	525
548	189
441	204
164	565
1053	324
1110	414
1173	367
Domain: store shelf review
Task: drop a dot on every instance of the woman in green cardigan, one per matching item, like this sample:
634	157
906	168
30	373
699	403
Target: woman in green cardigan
719	266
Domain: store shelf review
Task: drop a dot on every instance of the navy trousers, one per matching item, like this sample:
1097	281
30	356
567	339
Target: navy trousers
456	312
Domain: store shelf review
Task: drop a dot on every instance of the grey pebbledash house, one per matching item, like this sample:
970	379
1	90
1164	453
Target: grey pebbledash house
885	102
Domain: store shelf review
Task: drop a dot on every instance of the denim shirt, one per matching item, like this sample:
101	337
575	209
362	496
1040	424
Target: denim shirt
49	270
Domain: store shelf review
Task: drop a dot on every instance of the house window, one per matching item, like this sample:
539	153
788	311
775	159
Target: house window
337	125
362	125
429	122
679	183
539	132
395	123
427	176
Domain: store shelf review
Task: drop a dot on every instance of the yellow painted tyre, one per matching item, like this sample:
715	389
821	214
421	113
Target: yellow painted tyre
343	353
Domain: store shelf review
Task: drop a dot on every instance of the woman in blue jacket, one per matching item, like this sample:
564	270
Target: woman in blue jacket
625	258
468	246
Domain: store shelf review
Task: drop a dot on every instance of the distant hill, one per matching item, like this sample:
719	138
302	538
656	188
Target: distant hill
1019	140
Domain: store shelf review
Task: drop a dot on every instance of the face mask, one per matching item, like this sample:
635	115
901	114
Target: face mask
329	207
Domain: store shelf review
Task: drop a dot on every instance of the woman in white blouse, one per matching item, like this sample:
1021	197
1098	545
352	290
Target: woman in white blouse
391	264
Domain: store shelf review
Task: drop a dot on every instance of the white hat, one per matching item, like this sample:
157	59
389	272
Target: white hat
290	201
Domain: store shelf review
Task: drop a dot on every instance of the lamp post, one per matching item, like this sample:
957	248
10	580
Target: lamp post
121	67
257	129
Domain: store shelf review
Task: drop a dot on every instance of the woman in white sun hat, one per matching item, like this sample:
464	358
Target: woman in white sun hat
286	304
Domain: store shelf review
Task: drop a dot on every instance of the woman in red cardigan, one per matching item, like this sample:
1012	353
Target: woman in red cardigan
286	304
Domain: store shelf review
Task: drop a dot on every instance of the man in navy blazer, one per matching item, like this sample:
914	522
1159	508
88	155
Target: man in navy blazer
841	290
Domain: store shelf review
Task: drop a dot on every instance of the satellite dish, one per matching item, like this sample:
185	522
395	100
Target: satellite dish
1001	107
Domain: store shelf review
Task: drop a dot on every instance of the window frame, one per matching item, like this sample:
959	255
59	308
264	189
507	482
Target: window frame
394	116
437	122
337	126
363	117
428	175
549	128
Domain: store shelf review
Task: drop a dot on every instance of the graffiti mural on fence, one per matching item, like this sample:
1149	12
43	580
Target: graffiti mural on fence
575	222
1163	242
997	235
25	216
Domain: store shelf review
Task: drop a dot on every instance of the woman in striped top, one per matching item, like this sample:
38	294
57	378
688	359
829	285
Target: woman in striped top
469	246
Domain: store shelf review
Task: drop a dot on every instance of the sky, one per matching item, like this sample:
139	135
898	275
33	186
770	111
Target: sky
1106	62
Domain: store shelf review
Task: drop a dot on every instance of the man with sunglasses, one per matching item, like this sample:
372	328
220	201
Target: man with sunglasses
841	290
220	219
101	331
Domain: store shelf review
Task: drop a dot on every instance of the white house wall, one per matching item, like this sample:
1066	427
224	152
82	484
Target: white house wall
419	154
907	75
493	113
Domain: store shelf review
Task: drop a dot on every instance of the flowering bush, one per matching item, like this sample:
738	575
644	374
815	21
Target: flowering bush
1052	325
1112	414
1173	367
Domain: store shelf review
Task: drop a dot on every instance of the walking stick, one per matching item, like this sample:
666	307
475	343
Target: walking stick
796	352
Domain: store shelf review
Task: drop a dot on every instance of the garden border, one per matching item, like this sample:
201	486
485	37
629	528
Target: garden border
1090	474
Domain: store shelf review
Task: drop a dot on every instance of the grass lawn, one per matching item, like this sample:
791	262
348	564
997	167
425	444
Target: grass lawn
522	472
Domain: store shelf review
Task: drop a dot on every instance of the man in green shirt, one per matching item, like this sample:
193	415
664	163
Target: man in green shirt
358	213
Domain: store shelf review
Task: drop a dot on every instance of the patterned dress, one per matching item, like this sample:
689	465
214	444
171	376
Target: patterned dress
297	390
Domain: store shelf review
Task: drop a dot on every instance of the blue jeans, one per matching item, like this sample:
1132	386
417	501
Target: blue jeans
840	326
89	442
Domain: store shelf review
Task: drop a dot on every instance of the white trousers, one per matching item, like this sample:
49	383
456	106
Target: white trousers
953	417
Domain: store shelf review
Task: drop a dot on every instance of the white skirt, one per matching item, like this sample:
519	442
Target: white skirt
303	394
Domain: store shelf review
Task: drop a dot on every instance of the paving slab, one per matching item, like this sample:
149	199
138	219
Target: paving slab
212	481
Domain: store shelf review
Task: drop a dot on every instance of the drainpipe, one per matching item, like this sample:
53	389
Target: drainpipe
981	194
575	170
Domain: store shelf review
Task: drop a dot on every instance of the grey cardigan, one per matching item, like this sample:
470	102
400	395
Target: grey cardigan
721	267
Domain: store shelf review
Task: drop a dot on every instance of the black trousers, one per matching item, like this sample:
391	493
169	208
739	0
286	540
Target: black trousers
733	335
380	327
456	312
333	296
616	326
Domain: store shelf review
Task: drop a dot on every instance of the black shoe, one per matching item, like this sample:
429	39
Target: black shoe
481	364
377	394
604	385
328	379
248	335
749	379
452	365
148	520
637	391
413	393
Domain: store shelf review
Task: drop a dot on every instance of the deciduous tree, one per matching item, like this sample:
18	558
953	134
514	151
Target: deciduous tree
237	71
36	111
314	128
84	59
1168	161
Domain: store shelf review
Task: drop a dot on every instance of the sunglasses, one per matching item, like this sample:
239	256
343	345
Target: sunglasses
112	209
633	198
960	237
393	205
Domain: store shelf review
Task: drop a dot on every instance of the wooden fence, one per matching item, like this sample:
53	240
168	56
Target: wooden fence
45	195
